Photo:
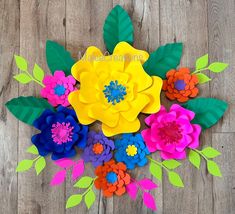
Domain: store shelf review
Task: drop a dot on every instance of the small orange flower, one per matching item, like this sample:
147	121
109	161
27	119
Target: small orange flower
180	85
112	178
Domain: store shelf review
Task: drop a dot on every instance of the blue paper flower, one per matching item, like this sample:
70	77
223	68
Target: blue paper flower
60	133
131	150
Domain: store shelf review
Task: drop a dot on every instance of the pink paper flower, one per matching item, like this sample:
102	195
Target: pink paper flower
57	88
171	132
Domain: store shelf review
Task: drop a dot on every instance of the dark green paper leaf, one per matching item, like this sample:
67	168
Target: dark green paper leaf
156	171
217	67
24	165
171	164
213	168
22	78
202	62
90	198
73	201
175	179
32	150
40	165
202	78
117	27
162	60
84	182
210	152
194	159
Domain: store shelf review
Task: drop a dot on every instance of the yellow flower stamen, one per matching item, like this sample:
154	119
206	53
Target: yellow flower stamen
131	150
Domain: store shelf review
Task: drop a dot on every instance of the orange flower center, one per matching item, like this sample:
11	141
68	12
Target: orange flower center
98	148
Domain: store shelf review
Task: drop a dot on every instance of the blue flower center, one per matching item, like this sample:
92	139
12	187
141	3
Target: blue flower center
59	90
111	177
114	92
180	85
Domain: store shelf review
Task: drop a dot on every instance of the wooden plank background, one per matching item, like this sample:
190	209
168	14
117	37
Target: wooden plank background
204	26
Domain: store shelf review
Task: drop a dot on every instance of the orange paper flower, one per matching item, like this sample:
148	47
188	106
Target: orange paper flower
180	85
112	178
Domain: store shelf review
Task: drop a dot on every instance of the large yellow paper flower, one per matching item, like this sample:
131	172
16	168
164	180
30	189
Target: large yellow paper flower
114	89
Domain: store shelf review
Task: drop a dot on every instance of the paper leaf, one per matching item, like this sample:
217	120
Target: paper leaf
22	78
117	27
194	159
73	201
58	58
208	110
217	67
213	168
202	78
58	178
202	62
64	163
40	165
24	165
38	73
149	201
90	198
171	164
132	191
156	171
27	109
21	63
210	152
162	60
32	150
84	182
78	170
175	179
147	184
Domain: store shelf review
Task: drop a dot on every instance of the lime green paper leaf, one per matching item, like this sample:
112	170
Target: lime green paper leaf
21	63
162	60
202	78
175	179
202	62
58	58
73	201
171	164
117	27
208	110
90	198
194	159
32	150
210	152
40	165
24	165
84	182
38	73
156	171
27	109
213	168
217	67
22	78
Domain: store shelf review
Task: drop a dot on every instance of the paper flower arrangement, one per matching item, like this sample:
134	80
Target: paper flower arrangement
113	90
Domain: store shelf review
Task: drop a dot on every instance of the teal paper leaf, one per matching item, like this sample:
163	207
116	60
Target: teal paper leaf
210	152
213	168
175	179
156	171
217	67
202	62
21	63
24	165
84	182
194	159
38	73
73	201
90	199
32	150
171	164
40	165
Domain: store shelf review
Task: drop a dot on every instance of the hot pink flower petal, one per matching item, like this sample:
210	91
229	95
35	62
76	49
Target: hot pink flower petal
196	134
175	155
146	134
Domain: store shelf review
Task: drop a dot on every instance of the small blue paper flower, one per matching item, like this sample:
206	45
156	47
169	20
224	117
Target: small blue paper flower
131	150
60	133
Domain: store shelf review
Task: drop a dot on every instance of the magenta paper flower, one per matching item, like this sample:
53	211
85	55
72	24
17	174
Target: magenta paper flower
171	132
57	88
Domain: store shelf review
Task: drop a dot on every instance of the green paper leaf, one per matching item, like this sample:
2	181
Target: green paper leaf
73	201
213	168
21	63
27	109
117	27
208	110
202	62
162	60
194	159
38	73
22	78
210	152
156	171
202	78
175	179
58	58
40	165
32	150
90	198
171	164
84	182
24	165
217	67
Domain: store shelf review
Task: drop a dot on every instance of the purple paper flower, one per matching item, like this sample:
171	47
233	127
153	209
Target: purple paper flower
98	149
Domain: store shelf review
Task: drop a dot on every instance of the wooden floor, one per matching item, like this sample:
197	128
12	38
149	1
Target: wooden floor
204	26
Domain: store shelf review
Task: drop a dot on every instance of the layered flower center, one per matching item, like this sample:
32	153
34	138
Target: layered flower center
59	90
111	177
98	148
62	132
180	85
131	150
114	92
